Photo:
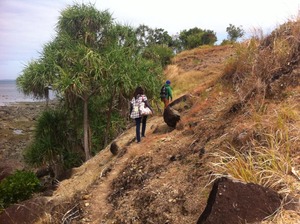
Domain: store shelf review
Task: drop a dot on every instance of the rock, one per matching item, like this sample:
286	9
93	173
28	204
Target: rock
232	202
114	148
25	212
178	100
171	116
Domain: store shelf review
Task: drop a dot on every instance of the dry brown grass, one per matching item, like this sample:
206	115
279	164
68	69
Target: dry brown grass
260	62
195	70
263	145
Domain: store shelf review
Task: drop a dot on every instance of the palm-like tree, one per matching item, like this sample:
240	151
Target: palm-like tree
35	80
83	33
92	57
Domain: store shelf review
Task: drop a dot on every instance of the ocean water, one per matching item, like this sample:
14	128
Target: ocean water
9	93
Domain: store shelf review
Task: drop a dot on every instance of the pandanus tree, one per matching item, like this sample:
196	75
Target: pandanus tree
38	76
93	59
35	80
83	34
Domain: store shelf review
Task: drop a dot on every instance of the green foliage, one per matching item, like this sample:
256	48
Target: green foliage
196	37
99	125
148	37
155	44
226	42
159	53
234	32
82	23
72	159
18	187
52	141
34	80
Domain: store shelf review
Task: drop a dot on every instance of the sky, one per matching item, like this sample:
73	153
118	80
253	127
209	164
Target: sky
27	25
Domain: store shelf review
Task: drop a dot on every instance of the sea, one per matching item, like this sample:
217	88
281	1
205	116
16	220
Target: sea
9	94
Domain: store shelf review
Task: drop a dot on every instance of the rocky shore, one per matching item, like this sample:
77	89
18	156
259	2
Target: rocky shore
17	124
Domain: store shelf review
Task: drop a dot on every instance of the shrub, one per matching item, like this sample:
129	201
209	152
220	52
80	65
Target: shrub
18	187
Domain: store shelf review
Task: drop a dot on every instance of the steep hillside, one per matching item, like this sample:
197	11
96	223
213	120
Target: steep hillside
162	179
229	113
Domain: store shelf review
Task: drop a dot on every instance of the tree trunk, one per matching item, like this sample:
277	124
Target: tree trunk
46	93
109	117
86	130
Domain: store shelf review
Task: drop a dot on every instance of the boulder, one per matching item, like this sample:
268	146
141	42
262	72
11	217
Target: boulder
114	148
26	212
232	202
171	116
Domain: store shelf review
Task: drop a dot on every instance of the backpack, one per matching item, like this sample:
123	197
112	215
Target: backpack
163	92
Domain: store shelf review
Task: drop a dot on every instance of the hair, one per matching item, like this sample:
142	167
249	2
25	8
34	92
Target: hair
138	91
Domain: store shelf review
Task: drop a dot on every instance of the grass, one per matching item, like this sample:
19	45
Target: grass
269	157
187	76
265	167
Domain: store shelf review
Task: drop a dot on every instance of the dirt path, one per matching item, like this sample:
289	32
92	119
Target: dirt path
101	171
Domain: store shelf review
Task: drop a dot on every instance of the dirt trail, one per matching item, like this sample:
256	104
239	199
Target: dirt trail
102	170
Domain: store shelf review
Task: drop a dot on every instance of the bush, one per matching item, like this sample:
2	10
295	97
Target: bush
159	53
18	187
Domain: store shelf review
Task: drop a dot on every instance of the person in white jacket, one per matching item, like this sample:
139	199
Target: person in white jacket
138	98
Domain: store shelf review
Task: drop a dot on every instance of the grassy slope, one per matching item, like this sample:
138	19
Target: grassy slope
165	179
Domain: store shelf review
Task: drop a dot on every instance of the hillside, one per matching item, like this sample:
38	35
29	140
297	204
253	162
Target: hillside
167	177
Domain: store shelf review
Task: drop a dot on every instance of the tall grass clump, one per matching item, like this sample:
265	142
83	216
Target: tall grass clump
265	165
268	157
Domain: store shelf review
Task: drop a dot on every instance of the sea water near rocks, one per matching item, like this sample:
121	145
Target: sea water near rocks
9	93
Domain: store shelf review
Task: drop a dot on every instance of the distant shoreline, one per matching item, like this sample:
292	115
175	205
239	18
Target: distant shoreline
27	103
9	93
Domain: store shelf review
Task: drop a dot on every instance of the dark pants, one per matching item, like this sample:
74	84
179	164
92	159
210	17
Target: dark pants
166	101
138	122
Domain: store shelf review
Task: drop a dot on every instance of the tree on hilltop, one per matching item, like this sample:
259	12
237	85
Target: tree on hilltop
234	32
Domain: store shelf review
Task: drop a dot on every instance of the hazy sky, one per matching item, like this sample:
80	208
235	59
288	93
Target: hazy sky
26	25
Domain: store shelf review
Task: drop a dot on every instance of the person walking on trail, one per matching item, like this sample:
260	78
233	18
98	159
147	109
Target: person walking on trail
166	93
138	98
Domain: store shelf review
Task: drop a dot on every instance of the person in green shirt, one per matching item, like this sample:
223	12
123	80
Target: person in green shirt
166	93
